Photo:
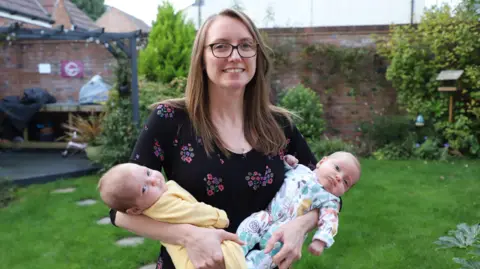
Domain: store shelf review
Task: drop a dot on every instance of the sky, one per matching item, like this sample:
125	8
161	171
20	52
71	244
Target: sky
146	10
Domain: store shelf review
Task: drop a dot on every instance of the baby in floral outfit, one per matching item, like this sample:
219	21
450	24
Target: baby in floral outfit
302	191
135	189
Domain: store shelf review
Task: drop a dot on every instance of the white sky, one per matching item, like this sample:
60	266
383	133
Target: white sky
146	10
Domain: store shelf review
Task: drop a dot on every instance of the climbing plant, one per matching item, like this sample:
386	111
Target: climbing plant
358	68
445	39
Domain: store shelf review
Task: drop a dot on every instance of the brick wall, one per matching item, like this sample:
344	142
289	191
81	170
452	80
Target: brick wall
343	113
19	67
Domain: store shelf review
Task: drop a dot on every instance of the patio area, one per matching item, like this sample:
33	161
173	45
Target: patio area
25	167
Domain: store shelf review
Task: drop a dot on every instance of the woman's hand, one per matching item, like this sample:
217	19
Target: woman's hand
292	234
203	247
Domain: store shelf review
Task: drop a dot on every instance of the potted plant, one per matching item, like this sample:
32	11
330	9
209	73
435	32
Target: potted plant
85	132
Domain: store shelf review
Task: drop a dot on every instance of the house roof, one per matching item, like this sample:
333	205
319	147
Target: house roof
135	22
27	8
48	5
78	17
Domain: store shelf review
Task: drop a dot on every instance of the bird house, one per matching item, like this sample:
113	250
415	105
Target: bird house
450	82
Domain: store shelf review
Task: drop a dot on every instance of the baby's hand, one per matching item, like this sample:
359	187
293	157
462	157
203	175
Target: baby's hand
291	160
316	247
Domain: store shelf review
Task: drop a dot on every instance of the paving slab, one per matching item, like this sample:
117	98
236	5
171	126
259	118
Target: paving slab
149	266
65	190
130	241
104	221
86	202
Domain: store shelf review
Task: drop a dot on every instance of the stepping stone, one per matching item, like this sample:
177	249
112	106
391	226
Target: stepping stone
130	241
149	266
66	190
86	202
104	221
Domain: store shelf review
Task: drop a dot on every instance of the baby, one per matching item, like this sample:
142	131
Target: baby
135	189
302	191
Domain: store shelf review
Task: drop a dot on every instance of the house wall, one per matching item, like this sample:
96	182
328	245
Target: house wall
19	67
60	15
343	113
115	21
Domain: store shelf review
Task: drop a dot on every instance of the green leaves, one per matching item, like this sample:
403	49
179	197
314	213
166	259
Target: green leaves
444	39
466	264
167	54
307	105
463	237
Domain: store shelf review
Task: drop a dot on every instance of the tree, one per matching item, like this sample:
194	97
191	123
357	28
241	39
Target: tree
269	16
445	39
93	8
167	54
237	5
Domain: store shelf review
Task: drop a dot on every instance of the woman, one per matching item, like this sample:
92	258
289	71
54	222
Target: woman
224	143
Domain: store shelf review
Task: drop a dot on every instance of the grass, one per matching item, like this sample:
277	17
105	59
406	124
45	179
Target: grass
390	220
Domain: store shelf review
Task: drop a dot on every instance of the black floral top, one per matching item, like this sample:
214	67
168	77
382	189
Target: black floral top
240	184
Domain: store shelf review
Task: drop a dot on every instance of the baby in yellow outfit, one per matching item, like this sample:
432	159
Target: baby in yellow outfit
135	189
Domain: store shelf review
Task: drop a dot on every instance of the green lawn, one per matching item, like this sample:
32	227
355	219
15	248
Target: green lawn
390	220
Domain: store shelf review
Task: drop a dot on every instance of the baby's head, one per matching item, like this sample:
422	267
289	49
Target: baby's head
131	188
338	172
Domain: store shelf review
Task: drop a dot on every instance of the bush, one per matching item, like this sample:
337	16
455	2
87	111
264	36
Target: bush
167	54
326	146
444	39
305	103
119	133
7	190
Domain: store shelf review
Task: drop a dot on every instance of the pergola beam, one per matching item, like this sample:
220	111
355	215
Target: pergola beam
17	33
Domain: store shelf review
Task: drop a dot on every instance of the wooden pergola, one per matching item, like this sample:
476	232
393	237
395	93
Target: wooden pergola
126	42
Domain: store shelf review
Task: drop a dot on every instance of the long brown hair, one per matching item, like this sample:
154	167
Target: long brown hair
262	129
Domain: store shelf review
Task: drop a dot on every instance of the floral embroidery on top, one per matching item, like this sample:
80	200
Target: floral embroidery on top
165	111
137	156
221	160
186	153
214	184
175	142
199	140
282	151
256	179
157	150
145	127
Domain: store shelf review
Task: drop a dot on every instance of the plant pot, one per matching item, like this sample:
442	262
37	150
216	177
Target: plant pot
93	153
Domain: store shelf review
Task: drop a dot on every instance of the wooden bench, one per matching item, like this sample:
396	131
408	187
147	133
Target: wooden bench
69	109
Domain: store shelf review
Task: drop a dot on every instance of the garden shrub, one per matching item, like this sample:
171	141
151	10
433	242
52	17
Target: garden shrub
7	190
167	54
431	149
445	39
306	104
327	146
467	238
384	133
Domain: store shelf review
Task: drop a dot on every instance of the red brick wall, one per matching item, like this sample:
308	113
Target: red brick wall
343	113
19	67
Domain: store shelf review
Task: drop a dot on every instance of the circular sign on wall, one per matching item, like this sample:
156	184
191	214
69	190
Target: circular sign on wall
72	69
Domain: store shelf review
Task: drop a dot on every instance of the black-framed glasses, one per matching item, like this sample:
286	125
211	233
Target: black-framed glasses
225	50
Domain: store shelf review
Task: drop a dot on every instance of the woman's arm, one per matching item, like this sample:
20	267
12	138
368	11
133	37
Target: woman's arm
203	245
